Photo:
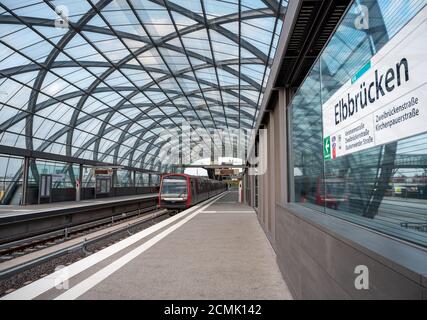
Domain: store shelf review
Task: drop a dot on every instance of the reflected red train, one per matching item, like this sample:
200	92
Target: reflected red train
181	191
331	192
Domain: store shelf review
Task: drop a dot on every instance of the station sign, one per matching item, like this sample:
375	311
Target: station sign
103	172
385	101
226	172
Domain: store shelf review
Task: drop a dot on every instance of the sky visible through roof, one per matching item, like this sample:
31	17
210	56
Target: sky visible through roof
113	81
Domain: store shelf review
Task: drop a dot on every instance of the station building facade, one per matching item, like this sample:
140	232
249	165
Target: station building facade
345	181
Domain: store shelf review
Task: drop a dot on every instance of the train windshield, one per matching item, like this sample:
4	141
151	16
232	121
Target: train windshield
174	186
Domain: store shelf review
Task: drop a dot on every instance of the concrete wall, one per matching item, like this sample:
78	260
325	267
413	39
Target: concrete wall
317	253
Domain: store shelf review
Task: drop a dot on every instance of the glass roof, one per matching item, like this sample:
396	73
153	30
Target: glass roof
103	80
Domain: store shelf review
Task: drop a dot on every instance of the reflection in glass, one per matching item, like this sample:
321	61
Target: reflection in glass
385	187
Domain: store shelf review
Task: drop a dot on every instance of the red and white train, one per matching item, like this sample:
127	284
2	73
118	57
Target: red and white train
181	191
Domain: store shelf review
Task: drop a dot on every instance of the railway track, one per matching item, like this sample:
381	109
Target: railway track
40	255
17	248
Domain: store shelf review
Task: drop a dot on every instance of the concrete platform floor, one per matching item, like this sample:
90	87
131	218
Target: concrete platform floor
220	252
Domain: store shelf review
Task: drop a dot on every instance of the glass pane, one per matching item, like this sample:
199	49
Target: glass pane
357	154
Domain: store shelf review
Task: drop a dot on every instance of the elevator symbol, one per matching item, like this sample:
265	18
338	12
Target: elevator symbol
334	147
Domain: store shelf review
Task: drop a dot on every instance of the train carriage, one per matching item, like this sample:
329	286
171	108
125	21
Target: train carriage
181	191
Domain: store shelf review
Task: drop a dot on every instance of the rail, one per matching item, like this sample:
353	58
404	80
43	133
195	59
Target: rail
10	272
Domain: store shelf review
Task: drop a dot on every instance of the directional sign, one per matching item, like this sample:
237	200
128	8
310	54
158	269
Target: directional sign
385	101
327	148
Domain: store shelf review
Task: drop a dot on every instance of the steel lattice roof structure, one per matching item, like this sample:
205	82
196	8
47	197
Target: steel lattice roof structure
104	80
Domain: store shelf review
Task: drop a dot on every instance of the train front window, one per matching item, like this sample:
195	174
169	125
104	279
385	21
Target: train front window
176	186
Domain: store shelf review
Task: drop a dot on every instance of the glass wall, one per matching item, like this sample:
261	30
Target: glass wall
88	179
381	183
10	173
64	175
140	180
155	180
123	178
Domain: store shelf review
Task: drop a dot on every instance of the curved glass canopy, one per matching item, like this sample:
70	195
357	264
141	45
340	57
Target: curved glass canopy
104	80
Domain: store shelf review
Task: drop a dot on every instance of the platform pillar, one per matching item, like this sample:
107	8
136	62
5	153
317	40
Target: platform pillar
25	173
79	184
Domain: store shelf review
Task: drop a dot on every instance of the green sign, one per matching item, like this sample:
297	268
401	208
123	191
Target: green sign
327	148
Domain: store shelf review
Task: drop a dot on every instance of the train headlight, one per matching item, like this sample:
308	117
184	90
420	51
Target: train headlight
174	198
